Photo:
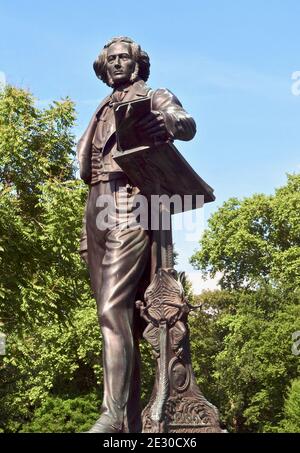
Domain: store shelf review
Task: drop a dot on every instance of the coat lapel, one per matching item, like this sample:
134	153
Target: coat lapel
84	146
137	90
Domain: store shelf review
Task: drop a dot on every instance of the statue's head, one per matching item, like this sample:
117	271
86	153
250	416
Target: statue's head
121	61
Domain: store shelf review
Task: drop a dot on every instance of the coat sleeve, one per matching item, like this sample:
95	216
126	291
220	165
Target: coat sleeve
179	123
84	149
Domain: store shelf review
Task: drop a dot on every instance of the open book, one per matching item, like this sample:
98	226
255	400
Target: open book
156	168
127	115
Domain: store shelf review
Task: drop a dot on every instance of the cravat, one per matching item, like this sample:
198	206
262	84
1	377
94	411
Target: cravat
118	96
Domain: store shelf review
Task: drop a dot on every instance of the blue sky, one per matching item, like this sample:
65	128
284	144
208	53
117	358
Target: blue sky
229	62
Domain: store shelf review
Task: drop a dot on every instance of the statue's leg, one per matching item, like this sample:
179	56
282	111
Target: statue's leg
117	259
122	266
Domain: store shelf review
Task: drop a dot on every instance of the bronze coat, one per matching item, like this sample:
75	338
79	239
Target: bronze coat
179	123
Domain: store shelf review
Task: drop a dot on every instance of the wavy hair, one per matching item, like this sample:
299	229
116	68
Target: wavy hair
141	58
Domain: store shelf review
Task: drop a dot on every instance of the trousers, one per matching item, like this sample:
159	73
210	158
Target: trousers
117	259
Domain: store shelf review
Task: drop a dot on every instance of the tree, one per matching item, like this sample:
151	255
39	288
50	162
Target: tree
244	353
35	149
242	357
46	307
255	240
291	420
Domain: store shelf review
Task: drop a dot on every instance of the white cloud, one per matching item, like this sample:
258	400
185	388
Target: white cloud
200	285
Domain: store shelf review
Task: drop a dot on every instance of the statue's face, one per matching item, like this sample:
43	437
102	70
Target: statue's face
120	64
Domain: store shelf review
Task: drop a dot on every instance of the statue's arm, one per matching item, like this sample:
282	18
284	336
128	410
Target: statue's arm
84	148
180	125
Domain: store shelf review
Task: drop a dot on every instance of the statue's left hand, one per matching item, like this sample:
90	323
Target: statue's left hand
153	126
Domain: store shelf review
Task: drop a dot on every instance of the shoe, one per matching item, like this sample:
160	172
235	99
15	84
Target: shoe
102	427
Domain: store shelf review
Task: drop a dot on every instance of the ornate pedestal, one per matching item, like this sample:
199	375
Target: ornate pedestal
176	405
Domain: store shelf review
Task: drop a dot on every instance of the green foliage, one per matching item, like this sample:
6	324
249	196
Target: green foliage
46	307
255	240
35	145
245	363
241	344
65	415
291	420
147	371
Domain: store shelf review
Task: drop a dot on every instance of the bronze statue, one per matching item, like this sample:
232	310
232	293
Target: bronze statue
120	260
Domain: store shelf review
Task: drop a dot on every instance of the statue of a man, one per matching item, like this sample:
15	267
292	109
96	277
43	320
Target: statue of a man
118	258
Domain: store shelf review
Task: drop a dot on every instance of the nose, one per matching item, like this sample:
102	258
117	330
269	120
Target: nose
117	62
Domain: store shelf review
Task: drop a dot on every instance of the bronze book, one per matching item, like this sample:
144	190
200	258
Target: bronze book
127	116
